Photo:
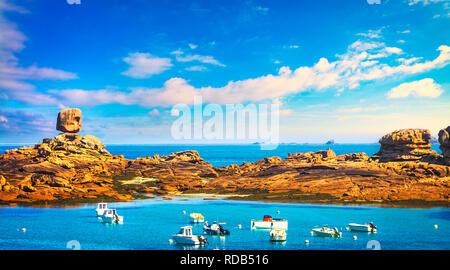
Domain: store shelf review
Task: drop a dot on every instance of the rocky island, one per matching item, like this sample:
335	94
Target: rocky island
74	168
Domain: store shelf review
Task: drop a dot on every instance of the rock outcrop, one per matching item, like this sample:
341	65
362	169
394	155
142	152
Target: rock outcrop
69	120
405	145
444	141
71	167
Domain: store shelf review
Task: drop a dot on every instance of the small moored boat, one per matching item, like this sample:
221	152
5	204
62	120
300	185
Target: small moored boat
185	237
215	229
269	223
196	217
278	235
363	227
101	207
111	216
327	232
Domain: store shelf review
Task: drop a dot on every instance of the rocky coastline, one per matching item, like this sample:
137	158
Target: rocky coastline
73	168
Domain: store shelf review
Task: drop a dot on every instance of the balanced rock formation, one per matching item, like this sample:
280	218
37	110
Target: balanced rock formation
69	120
405	145
444	140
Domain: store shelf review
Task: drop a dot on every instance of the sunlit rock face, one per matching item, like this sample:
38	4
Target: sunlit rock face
444	141
405	144
69	120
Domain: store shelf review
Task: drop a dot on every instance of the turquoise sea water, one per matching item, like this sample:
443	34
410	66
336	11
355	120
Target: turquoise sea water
149	224
223	155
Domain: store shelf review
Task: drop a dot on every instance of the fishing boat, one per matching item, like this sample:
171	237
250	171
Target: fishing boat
278	235
101	207
111	216
196	217
215	229
327	232
185	237
269	223
363	227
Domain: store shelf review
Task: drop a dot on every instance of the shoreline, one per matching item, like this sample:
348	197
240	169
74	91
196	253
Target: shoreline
254	198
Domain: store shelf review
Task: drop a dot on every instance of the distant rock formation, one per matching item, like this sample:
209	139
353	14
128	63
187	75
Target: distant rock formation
69	120
330	142
444	140
405	145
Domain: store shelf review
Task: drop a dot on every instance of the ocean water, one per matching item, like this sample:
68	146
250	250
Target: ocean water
223	155
150	223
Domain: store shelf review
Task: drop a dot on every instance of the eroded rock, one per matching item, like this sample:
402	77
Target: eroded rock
69	120
444	141
405	145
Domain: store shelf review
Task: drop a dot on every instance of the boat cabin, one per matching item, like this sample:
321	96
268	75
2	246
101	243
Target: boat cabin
267	218
102	206
186	231
111	212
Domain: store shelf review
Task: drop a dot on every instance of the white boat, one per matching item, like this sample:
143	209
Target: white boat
111	216
269	223
185	237
327	232
196	218
278	235
363	227
215	229
101	207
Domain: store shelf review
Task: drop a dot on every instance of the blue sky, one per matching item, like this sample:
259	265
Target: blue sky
345	70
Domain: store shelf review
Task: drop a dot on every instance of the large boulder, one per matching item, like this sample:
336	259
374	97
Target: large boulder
69	120
444	141
405	145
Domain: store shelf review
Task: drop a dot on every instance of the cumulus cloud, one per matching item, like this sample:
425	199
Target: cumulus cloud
14	79
144	65
12	122
422	88
424	2
153	112
364	61
180	57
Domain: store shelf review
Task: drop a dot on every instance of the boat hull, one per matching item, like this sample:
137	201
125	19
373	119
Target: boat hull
100	212
318	232
361	228
282	224
187	240
110	219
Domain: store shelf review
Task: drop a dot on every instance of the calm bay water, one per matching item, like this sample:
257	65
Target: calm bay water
149	224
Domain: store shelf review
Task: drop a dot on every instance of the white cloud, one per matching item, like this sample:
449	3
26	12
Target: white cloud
154	112
424	2
352	68
3	119
144	65
12	75
200	58
422	88
262	10
196	68
192	46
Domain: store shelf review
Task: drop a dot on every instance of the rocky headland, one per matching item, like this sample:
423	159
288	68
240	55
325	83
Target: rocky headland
74	168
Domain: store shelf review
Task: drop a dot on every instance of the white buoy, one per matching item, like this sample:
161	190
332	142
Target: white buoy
24	229
355	237
239	226
306	241
435	226
278	211
312	233
184	212
347	228
170	241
